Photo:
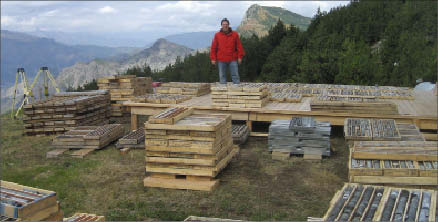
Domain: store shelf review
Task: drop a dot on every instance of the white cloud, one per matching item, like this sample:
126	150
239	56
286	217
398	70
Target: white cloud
186	6
271	3
50	13
153	17
107	9
7	20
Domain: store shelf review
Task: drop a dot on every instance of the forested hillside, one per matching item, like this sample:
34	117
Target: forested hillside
364	43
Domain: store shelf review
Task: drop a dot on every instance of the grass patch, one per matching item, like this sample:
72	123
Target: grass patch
252	187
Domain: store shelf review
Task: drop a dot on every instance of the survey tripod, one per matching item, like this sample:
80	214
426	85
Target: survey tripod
28	95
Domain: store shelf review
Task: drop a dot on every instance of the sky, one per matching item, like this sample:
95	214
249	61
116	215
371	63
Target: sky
137	16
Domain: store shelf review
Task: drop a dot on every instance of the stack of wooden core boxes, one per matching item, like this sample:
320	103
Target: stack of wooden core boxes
86	138
243	95
83	217
240	133
65	111
28	204
353	104
187	151
383	151
209	219
134	139
300	135
394	162
365	129
162	98
184	88
355	202
123	88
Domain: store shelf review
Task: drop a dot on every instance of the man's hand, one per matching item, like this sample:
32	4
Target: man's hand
213	62
239	61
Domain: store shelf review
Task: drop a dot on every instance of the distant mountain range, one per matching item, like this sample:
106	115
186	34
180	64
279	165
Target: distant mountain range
141	40
259	19
19	50
193	40
158	56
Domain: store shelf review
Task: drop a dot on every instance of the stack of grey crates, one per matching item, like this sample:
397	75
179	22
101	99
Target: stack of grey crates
301	135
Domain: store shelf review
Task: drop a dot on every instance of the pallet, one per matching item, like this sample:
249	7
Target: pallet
77	153
187	179
278	155
395	150
194	218
355	202
27	203
84	217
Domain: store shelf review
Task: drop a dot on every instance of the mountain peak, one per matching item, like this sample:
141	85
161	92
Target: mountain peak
259	19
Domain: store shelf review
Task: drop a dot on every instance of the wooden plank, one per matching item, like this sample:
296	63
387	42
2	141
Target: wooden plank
134	122
55	153
195	122
396	180
430	136
42	214
180	184
202	162
81	153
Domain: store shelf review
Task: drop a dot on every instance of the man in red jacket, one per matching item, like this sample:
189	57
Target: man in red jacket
226	50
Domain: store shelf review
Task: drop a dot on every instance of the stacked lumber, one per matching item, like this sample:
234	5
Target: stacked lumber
286	97
243	95
23	203
409	132
240	133
316	90
134	139
84	217
355	202
123	88
301	135
185	151
394	162
207	219
86	138
162	98
65	111
184	88
371	129
357	105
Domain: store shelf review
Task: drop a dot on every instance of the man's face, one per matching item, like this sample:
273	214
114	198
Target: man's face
225	25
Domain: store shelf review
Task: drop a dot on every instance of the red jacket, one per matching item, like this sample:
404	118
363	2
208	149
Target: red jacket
226	47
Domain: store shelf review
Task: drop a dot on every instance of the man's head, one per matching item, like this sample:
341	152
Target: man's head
225	24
